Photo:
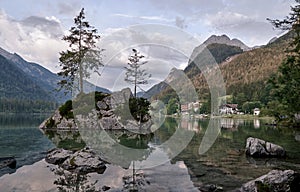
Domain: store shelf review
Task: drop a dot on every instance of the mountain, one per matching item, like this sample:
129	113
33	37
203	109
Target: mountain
43	78
244	74
14	83
210	52
223	39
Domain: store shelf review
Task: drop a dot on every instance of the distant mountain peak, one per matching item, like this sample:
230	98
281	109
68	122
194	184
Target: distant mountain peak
224	39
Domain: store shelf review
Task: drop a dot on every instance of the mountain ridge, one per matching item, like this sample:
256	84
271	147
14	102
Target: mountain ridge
44	78
245	72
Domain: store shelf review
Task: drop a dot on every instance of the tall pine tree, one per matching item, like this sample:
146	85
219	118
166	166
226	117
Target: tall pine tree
134	74
82	56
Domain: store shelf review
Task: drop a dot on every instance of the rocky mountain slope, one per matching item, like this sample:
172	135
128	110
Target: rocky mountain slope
216	50
245	72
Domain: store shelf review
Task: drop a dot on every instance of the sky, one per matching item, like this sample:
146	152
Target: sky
164	31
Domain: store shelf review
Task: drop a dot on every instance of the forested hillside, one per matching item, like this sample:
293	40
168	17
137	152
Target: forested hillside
245	74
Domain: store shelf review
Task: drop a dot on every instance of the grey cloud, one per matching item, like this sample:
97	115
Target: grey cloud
34	38
70	8
49	26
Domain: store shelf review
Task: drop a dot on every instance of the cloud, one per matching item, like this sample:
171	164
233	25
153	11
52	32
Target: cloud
147	18
68	8
164	48
226	19
248	29
35	38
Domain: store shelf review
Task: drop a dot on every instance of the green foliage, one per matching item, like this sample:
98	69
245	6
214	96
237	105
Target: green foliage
82	56
139	109
172	106
66	110
85	103
50	124
286	84
205	107
250	105
262	187
240	98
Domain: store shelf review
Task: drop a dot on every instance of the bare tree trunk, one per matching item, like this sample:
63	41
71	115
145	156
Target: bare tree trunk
80	79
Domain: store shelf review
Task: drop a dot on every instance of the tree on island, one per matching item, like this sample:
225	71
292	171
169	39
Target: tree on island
286	84
139	107
134	74
82	56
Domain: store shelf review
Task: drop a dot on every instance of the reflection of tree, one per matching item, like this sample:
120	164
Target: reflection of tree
73	182
66	139
118	147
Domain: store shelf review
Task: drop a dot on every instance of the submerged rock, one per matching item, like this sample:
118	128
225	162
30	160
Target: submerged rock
275	181
83	161
259	148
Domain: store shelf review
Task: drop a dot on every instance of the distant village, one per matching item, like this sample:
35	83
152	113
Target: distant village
225	109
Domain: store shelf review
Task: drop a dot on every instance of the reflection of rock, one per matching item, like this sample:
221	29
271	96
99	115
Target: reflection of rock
83	161
260	148
118	147
275	181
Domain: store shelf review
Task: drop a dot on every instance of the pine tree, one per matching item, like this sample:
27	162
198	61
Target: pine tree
134	74
82	56
287	82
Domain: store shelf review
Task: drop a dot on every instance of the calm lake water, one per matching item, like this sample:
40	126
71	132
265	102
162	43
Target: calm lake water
21	138
223	164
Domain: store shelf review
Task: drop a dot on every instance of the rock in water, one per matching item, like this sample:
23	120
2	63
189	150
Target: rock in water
274	181
83	161
8	161
57	156
259	148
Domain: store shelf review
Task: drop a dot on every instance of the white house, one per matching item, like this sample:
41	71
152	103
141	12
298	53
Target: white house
228	109
256	111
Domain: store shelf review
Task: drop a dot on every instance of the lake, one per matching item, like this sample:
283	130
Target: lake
21	138
181	154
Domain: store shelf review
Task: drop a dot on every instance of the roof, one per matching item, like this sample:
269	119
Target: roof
233	106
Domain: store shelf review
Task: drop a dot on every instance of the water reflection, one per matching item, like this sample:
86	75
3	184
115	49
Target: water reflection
256	123
191	125
71	181
223	163
66	139
21	138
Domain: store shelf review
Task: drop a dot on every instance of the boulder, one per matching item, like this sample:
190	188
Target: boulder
57	156
259	148
8	162
83	161
275	181
56	121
